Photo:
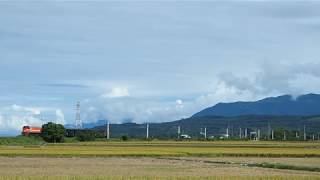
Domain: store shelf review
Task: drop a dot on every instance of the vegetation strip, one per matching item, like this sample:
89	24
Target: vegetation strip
285	166
261	165
160	155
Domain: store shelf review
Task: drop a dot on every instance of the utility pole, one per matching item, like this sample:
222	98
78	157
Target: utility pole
269	130
232	131
304	133
227	131
205	133
284	135
105	130
147	131
179	131
258	134
313	137
108	130
240	133
272	134
246	133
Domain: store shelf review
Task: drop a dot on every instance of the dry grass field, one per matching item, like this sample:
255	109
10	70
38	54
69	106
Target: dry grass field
160	160
164	148
142	167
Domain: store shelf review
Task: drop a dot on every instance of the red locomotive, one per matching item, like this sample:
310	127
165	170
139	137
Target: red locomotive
27	130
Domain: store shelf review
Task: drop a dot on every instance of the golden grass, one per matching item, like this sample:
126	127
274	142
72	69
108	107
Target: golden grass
168	148
139	168
37	162
156	178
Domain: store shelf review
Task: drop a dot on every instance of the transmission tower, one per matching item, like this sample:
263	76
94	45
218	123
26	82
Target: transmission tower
78	118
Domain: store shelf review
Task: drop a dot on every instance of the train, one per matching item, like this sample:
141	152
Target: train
29	130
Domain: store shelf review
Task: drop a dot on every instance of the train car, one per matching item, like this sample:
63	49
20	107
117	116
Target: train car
28	130
76	132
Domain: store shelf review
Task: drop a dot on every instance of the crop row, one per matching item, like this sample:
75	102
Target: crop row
147	151
156	178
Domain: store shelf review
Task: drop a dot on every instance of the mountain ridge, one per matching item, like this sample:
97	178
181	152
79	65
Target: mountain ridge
304	105
278	114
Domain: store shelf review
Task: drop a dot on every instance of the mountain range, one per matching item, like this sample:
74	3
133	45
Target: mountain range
88	125
305	105
284	112
216	126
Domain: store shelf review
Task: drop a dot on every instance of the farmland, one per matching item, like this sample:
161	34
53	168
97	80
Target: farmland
162	160
167	148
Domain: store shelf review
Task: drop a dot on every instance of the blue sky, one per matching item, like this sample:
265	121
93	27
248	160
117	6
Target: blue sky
150	61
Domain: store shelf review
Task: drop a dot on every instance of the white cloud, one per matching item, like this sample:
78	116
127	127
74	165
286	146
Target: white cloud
60	117
179	102
31	110
273	79
14	117
171	51
117	92
142	110
16	122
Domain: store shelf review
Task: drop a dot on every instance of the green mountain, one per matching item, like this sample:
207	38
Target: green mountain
305	105
216	126
279	113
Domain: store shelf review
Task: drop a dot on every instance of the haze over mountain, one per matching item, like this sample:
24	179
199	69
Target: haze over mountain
216	126
88	125
304	105
284	112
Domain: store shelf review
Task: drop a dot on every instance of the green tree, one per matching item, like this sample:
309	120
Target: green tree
53	133
124	138
86	136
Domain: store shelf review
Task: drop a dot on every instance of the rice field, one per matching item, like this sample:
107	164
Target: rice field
140	168
157	160
163	148
160	178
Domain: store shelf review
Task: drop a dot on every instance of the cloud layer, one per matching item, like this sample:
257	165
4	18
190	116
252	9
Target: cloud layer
13	118
151	61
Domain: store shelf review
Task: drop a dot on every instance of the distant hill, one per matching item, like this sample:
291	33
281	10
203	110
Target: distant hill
280	112
305	105
215	126
89	125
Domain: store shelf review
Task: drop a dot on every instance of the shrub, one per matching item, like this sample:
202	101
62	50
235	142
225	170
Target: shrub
124	138
86	136
53	133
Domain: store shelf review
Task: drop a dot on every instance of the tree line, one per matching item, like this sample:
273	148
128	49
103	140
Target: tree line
56	133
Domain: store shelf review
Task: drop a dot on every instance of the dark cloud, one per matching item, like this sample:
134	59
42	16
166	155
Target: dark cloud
277	78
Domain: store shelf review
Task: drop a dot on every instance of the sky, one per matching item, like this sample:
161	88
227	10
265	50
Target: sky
150	61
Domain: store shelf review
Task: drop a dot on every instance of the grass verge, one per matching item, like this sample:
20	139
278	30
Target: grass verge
285	166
